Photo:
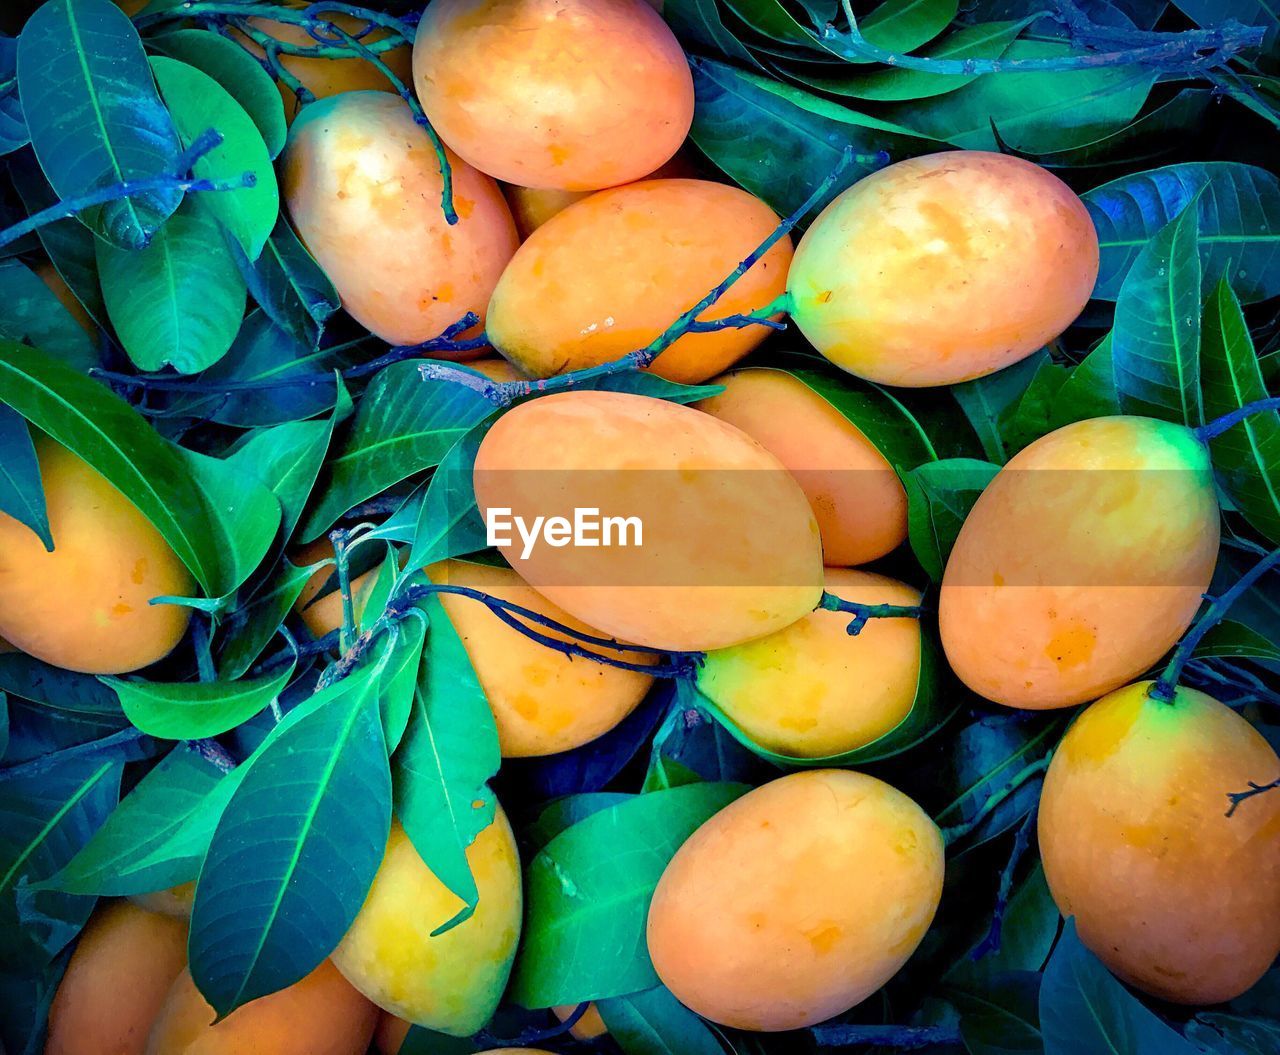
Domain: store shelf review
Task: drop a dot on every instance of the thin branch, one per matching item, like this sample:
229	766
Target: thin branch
956	832
900	1038
991	943
1238	797
829	602
1213	429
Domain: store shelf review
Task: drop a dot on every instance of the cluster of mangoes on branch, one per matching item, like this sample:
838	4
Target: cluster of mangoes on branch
1082	564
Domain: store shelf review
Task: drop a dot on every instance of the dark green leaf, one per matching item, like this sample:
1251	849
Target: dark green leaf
1090	390
1247	457
904	25
250	629
564	813
286	459
21	492
26	998
1155	344
30	312
988	401
1220	1034
13	127
1239	212
1003	1017
290	286
1027	933
699	21
654	1022
295	851
939	497
589	891
179	301
1232	640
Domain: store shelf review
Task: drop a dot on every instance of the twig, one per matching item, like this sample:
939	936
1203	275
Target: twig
903	1038
956	832
1211	430
991	943
1238	797
829	602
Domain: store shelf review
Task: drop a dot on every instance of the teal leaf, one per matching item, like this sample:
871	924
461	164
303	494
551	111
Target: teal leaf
193	710
295	851
939	497
250	627
286	459
29	312
1155	344
235	70
290	286
1083	1008
197	103
116	440
699	21
1003	1018
21	492
1028	930
989	401
904	25
654	1022
1239	213
94	115
1034	413
588	894
403	425
1090	390
13	126
442	769
26	998
59	690
1247	457
397	693
449	521
1221	1034
132	853
807	134
178	302
1035	112
44	820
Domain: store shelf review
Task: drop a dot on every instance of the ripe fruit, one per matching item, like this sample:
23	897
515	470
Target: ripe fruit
729	551
797	901
175	902
610	273
574	94
362	185
1082	562
543	701
857	498
326	77
588	1027
1174	896
810	690
320	1015
451	982
86	606
496	369
944	268
116	981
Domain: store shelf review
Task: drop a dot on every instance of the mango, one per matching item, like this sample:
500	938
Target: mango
543	701
451	982
362	186
608	274
797	901
857	498
320	1015
810	690
175	902
588	1027
1082	562
1174	896
116	982
728	550
86	606
944	268
570	94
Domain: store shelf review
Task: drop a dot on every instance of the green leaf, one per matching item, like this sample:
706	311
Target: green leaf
1234	1034
988	40
116	440
449	522
1027	933
94	115
1247	456
179	301
250	628
21	492
773	22
404	424
807	134
193	710
699	21
1083	1008
60	690
939	497
589	891
29	312
1035	112
1239	212
198	103
13	127
295	851
1034	413
1155	344
1232	640
654	1022
1090	390
290	286
397	694
904	25
131	852
44	820
562	814
235	70
930	709
442	769
243	515
988	401
286	459
26	998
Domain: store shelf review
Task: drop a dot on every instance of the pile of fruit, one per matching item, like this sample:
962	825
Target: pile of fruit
931	704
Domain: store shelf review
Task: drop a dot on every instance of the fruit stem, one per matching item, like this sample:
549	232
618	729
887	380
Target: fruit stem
1165	686
1187	51
528	1037
180	181
829	602
899	1038
956	832
339	539
1213	429
991	943
1238	797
